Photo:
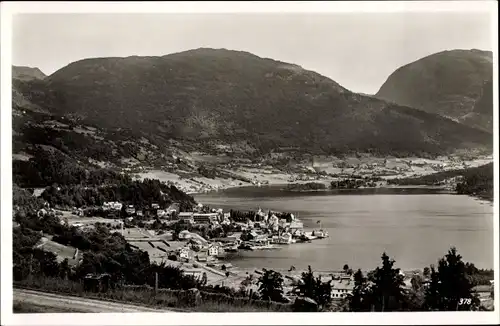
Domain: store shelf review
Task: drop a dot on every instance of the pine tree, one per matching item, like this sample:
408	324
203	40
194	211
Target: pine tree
387	286
271	286
450	287
359	299
315	288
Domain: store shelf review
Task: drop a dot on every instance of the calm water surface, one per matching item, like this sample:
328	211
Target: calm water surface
414	226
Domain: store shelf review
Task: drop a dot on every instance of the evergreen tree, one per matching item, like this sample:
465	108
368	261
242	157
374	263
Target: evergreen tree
360	298
387	286
271	286
432	298
315	288
450	287
306	287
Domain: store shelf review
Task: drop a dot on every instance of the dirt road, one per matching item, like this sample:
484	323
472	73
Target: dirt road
66	303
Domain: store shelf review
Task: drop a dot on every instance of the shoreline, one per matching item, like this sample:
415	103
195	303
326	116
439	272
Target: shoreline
443	188
323	171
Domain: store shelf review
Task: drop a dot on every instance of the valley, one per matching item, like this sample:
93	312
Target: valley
123	170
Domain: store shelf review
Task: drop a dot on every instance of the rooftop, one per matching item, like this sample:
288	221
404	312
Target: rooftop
344	285
482	288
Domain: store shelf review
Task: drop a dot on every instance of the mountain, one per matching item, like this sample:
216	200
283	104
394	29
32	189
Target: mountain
206	98
448	83
27	73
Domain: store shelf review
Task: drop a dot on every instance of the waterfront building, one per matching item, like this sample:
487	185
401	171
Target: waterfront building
199	218
285	238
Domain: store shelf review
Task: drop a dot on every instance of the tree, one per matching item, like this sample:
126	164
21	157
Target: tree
271	286
432	298
416	282
450	287
307	286
64	269
315	288
360	298
427	272
387	286
204	279
416	295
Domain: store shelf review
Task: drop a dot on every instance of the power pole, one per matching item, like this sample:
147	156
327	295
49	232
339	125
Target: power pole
156	282
31	264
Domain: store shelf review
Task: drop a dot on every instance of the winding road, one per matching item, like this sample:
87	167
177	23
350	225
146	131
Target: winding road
77	303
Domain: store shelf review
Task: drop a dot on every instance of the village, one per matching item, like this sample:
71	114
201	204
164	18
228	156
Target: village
174	238
244	172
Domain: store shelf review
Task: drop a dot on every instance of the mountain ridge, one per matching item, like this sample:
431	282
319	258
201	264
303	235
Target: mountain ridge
431	84
27	73
225	96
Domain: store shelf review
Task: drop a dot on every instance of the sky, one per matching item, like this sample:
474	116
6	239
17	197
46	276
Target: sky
357	50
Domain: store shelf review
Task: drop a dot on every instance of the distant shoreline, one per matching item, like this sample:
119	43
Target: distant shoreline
284	189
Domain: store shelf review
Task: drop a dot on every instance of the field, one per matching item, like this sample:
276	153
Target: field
153	252
60	250
72	219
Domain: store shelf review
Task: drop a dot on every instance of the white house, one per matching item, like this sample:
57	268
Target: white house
42	212
196	272
184	253
116	206
341	288
296	225
273	221
213	250
130	209
160	213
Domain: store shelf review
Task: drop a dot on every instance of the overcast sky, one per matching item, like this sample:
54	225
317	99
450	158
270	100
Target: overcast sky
359	51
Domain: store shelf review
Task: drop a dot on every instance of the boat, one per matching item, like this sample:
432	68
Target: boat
231	249
261	245
310	236
304	239
245	246
320	234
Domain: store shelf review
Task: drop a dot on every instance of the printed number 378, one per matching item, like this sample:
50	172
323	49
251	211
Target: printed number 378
464	301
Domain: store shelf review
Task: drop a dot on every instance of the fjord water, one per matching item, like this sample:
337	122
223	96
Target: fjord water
414	226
